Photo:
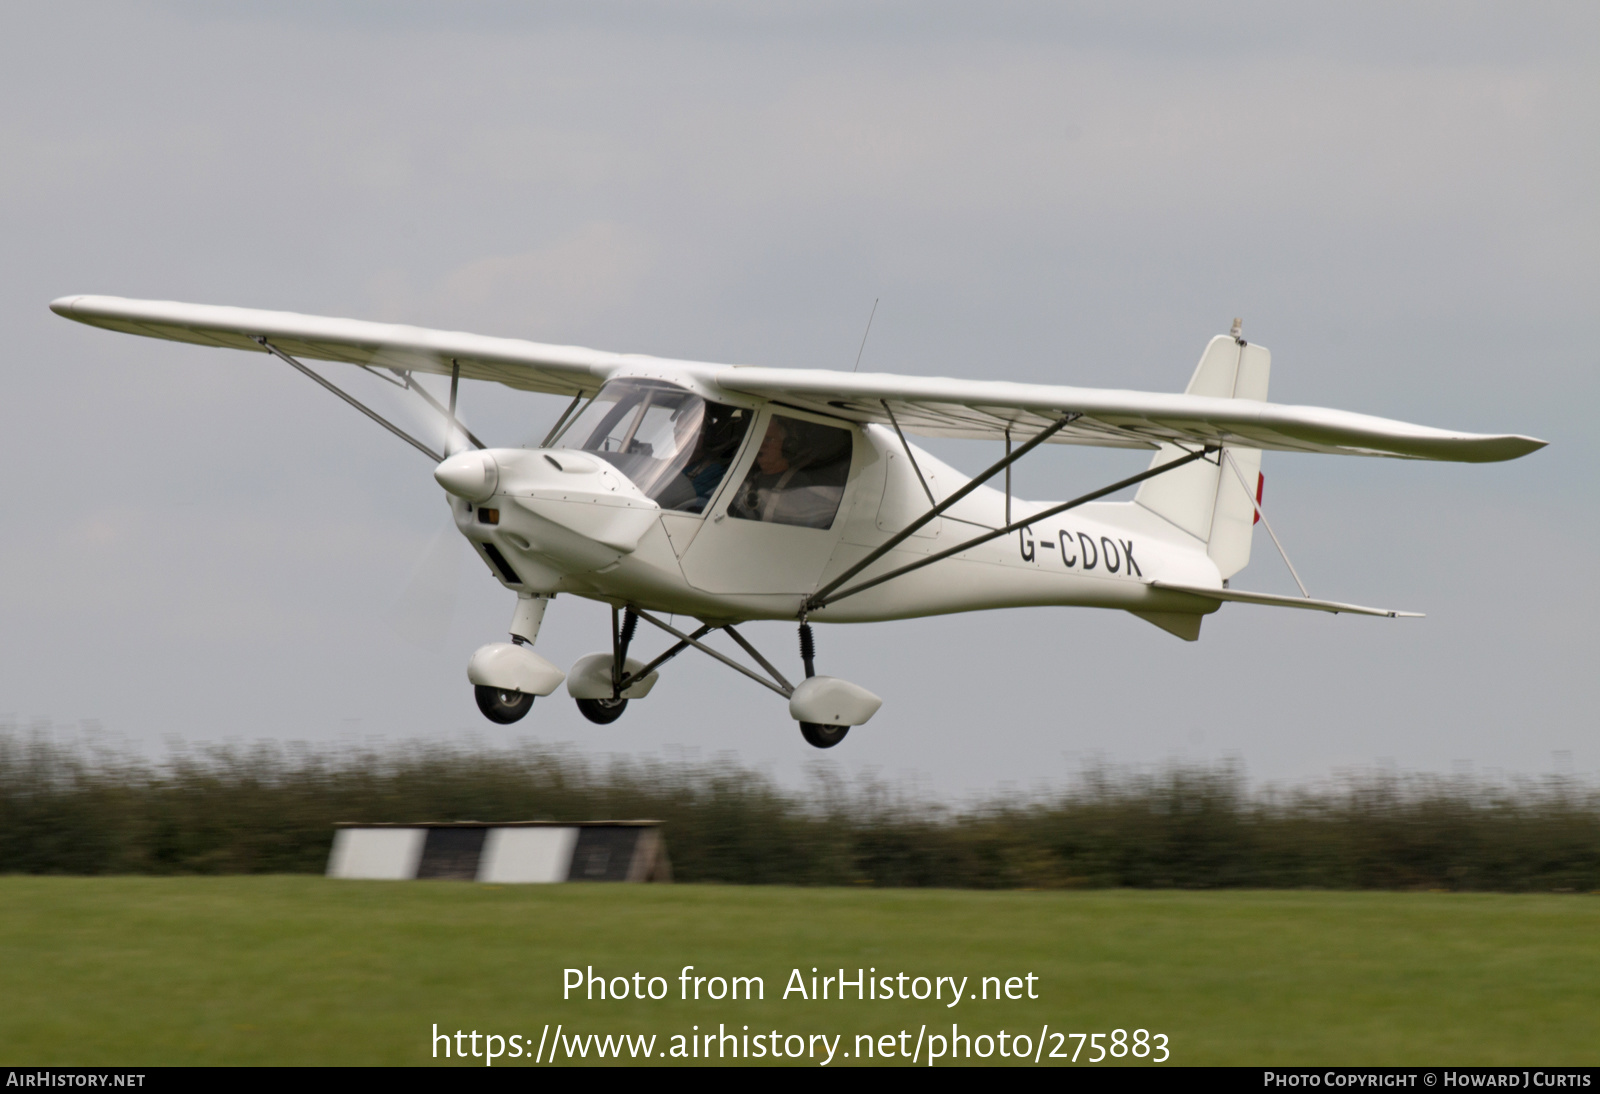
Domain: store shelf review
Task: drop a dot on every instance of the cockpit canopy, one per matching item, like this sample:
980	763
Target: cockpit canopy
673	445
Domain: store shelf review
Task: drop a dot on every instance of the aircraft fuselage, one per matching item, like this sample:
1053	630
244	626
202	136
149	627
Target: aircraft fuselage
712	565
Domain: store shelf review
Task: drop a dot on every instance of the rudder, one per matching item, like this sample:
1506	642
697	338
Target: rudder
1204	499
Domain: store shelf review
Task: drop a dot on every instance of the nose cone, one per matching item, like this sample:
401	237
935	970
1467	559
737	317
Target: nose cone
470	475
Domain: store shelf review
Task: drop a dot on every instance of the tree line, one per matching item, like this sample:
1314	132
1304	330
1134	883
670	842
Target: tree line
73	809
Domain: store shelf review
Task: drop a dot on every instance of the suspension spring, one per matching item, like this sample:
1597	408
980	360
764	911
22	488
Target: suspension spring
630	623
808	650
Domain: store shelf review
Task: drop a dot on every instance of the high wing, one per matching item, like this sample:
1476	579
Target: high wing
528	366
930	406
988	409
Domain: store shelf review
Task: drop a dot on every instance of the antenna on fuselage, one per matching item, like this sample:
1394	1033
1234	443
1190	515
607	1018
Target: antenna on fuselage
864	335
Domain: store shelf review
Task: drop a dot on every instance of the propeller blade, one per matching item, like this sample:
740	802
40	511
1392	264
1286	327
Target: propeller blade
427	603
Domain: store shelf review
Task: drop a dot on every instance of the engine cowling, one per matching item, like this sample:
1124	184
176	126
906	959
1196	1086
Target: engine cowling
569	511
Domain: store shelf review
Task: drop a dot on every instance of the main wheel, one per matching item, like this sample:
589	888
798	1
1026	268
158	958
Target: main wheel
821	736
504	707
602	712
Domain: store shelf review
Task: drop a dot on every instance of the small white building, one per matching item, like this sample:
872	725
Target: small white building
515	852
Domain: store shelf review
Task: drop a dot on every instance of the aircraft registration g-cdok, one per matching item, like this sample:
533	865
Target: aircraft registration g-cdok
729	493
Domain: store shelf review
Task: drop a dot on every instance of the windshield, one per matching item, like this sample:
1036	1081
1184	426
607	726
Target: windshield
673	445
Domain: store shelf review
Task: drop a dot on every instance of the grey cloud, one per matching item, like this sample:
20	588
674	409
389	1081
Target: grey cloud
1399	200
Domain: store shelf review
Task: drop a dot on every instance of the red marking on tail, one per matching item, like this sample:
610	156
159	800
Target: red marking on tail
1261	485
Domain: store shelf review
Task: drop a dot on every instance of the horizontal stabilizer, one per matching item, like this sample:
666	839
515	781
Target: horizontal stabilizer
1273	600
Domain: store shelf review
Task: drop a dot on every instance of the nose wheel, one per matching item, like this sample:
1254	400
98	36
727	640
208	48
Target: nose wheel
501	706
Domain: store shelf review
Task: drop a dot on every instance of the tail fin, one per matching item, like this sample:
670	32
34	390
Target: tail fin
1204	499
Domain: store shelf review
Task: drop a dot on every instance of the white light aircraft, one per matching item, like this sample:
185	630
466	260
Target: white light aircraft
729	493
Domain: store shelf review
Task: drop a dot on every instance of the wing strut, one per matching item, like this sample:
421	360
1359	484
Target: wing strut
452	423
827	596
406	381
351	399
905	445
561	422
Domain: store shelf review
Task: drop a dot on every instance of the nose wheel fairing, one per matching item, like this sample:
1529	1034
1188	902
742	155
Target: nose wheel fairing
513	666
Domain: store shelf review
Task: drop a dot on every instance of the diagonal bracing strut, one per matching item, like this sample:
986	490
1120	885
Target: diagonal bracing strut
762	661
561	422
907	446
1267	524
826	596
688	640
449	412
407	382
351	399
782	687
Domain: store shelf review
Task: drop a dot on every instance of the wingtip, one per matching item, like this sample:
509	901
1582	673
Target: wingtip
62	305
1517	446
1487	448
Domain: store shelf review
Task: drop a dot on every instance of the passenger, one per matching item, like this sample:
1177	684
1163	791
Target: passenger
798	476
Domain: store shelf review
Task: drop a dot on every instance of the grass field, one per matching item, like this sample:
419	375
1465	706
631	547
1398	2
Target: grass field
310	971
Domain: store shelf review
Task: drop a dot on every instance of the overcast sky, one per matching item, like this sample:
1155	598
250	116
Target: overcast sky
1400	200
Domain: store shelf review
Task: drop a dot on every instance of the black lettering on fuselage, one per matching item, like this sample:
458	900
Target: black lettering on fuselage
1066	541
1090	555
1127	553
1025	535
1112	556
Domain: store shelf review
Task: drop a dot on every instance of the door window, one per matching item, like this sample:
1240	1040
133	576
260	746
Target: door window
798	476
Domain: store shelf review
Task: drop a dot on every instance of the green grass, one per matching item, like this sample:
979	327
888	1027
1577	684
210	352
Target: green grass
311	971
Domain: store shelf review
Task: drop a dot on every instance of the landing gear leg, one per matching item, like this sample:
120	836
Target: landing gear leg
506	678
603	712
526	619
816	735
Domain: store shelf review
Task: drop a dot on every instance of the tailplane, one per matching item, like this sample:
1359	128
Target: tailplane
1209	501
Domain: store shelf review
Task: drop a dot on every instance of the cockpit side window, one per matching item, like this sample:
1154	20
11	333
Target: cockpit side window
673	445
798	476
689	488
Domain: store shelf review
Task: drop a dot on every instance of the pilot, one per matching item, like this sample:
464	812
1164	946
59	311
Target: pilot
719	438
719	434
